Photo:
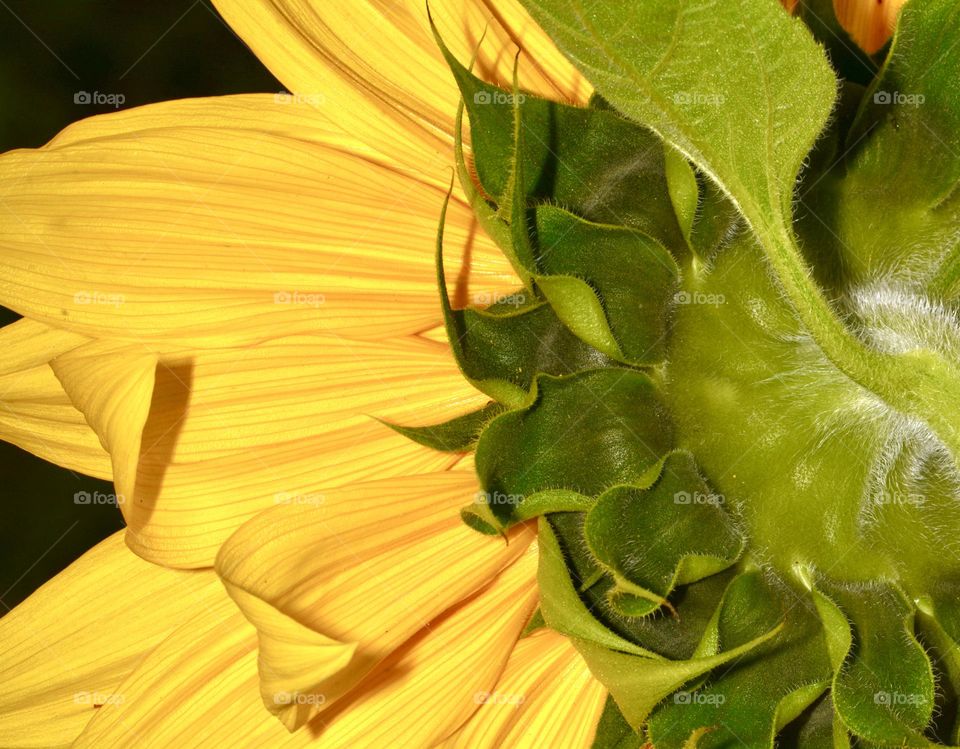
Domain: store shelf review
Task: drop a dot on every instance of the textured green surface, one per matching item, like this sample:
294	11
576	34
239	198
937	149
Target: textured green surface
748	510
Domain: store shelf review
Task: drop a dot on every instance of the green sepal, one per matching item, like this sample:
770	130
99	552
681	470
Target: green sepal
459	434
589	160
584	433
675	634
632	277
759	694
562	608
590	293
884	690
479	516
652	540
501	352
574	302
638	685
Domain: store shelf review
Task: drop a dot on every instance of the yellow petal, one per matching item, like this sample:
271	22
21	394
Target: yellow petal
229	226
65	650
27	344
112	386
546	697
226	433
195	687
870	23
35	412
368	568
199	688
374	67
432	684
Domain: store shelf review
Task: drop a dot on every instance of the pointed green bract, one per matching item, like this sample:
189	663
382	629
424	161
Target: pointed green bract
638	685
635	278
588	160
751	700
457	435
531	178
562	608
502	349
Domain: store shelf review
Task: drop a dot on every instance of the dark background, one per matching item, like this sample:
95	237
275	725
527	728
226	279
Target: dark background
146	51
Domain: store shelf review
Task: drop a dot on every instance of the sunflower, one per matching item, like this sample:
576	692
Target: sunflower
219	294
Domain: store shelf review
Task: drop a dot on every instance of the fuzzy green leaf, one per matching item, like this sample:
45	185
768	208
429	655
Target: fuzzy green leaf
884	692
651	540
584	433
749	119
590	161
749	702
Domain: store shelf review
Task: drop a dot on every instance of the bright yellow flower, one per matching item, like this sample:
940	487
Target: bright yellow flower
217	294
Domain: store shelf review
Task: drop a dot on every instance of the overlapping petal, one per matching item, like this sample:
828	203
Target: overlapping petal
374	68
429	686
366	568
248	222
35	412
65	651
546	697
200	687
203	440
